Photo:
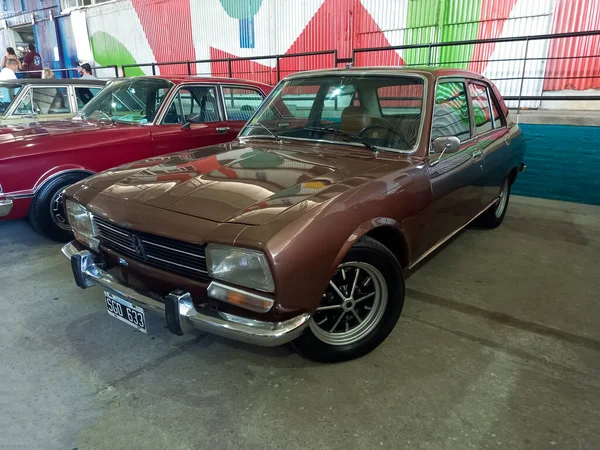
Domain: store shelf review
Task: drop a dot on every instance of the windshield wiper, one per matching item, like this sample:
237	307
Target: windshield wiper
331	130
271	132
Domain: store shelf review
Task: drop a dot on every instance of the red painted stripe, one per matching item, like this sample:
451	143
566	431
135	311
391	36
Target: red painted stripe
574	15
337	24
494	14
168	28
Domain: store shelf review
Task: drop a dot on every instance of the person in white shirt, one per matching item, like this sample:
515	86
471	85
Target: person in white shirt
8	73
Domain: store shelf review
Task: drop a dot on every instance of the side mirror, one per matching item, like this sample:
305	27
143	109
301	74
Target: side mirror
445	144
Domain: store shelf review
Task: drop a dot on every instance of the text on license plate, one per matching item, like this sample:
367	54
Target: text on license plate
125	311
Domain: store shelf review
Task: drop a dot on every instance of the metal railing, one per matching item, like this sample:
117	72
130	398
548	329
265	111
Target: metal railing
72	72
431	57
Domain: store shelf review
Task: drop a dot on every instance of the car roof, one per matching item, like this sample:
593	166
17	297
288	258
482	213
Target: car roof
180	79
429	71
54	81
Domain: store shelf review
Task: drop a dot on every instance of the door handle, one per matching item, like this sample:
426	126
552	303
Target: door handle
476	153
222	130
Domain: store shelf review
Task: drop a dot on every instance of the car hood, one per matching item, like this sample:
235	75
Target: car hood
12	133
241	182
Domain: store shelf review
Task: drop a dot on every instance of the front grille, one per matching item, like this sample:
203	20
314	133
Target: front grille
171	255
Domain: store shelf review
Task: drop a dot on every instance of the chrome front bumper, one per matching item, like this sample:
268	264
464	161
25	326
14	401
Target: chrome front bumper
6	206
180	313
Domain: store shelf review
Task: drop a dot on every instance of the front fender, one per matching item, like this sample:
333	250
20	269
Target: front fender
59	170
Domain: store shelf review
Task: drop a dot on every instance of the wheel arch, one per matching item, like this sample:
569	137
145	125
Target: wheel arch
386	231
58	172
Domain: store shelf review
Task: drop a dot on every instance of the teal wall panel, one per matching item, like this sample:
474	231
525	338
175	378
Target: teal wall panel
563	163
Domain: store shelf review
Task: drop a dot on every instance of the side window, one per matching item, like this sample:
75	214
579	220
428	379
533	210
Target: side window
196	104
50	101
241	103
481	108
24	107
451	111
84	95
499	120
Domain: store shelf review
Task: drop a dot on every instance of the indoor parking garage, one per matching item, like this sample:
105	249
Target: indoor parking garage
328	224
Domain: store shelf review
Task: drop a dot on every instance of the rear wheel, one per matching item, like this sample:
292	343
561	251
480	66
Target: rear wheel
494	216
47	213
359	308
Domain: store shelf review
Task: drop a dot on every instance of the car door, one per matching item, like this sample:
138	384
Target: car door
240	102
194	118
453	177
493	140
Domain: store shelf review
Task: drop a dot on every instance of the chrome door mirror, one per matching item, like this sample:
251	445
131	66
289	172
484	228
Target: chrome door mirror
444	144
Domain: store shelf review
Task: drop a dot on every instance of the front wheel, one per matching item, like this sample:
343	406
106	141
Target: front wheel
47	213
359	308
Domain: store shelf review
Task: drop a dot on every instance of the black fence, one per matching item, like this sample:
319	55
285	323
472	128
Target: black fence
427	54
98	71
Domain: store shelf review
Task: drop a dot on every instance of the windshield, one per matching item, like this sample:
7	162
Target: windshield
135	100
380	112
8	92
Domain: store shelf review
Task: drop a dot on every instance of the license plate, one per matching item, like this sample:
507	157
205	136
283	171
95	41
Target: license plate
125	311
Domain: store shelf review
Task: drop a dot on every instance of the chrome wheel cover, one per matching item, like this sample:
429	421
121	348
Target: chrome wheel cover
503	200
352	306
57	210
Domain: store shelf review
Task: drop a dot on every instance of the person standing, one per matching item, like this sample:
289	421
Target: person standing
32	63
85	70
10	54
8	72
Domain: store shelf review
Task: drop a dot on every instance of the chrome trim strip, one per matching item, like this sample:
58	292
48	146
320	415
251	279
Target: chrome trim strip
102	224
230	326
117	243
176	264
18	196
451	235
172	249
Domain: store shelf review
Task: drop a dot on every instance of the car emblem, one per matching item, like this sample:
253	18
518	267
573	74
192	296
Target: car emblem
137	246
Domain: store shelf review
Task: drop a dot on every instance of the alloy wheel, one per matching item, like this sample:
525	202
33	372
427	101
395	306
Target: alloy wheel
352	305
57	210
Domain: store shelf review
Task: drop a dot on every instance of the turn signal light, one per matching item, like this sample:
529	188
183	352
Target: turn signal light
238	297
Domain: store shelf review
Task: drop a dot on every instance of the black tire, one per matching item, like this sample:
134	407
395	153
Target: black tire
493	217
40	212
378	322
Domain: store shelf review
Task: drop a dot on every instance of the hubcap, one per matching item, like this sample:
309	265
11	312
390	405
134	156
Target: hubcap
503	199
352	305
57	210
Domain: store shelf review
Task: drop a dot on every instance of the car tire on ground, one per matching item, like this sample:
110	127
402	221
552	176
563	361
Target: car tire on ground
493	217
352	321
46	213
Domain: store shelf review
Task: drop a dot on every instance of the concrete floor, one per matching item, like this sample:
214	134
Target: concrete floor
498	347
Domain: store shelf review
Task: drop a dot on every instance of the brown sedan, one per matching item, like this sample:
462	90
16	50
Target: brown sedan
305	227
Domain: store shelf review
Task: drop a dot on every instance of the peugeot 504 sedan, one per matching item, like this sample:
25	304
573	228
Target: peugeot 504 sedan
305	227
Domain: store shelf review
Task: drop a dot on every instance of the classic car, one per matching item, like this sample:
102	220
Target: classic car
131	119
29	100
304	228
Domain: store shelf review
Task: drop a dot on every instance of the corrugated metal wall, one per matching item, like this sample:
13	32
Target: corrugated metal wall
143	31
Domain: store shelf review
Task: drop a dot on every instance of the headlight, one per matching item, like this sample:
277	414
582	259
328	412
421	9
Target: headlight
82	224
240	266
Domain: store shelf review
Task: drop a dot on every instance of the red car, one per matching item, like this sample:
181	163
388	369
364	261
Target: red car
131	119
